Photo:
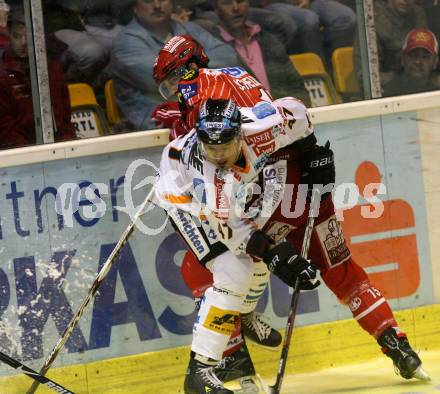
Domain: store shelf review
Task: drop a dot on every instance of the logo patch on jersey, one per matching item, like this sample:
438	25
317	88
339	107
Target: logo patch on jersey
199	189
221	320
333	241
188	90
247	83
190	74
191	233
262	110
273	184
261	161
261	142
354	304
278	231
235	72
221	200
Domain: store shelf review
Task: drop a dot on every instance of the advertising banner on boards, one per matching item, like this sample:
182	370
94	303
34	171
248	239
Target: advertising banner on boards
60	220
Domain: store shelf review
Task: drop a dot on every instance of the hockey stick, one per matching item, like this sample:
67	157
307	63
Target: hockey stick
276	388
34	374
98	280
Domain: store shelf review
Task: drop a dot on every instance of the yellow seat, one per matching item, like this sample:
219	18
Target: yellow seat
111	106
343	72
87	115
308	63
316	80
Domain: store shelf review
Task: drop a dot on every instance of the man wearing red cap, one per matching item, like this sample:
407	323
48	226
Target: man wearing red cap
419	61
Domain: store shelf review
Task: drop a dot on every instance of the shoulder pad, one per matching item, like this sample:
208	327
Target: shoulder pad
190	74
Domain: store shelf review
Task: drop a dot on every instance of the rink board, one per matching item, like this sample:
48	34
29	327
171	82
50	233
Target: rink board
313	348
144	311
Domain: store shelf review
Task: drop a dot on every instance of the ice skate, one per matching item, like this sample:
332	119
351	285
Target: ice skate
235	366
258	331
201	377
406	361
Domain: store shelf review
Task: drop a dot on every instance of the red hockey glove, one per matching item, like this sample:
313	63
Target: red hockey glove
166	114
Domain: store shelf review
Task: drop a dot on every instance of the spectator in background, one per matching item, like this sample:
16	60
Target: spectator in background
283	26
419	61
393	20
182	11
136	47
88	47
17	126
337	19
259	52
4	38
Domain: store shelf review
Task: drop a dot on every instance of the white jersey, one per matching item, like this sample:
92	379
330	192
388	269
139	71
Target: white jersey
217	196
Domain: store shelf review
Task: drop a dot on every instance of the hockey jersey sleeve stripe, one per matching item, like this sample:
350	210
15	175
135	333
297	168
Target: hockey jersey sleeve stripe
173	199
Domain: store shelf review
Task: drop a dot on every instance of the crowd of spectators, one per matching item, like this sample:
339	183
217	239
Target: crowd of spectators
16	111
93	41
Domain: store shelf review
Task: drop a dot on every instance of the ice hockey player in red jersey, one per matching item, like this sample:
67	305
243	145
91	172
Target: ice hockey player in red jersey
181	72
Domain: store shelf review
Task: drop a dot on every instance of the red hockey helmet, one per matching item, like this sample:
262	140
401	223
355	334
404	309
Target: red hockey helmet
174	58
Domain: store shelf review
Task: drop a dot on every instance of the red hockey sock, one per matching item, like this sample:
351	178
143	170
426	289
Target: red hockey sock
370	309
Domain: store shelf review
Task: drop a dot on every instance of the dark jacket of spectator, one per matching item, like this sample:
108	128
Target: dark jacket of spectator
391	29
17	126
401	84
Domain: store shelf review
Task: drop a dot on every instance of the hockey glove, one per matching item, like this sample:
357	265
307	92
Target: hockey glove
169	115
318	168
285	262
165	114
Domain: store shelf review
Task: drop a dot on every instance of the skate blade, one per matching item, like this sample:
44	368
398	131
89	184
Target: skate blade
252	384
260	346
266	389
421	374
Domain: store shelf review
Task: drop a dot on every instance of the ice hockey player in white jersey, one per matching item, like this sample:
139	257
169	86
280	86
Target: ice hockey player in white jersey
206	186
204	175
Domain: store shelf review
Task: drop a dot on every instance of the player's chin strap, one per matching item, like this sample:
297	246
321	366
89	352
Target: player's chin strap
276	388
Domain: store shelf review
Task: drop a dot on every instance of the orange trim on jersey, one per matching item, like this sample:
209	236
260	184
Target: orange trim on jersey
177	199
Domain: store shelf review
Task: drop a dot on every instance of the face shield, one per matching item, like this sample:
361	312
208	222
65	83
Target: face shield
168	87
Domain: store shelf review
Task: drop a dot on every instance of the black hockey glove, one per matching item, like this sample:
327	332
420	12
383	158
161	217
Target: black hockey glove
318	168
285	262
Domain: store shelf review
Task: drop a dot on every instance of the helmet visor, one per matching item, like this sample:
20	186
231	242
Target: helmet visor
168	87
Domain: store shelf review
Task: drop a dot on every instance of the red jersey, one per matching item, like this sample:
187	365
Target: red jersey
224	83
